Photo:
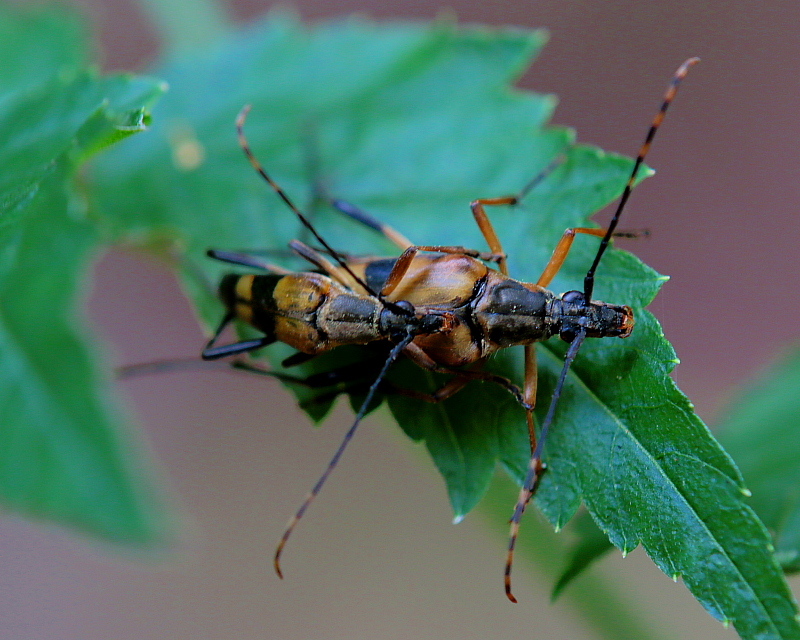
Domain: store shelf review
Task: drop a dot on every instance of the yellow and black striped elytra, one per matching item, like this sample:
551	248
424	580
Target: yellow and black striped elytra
443	307
314	313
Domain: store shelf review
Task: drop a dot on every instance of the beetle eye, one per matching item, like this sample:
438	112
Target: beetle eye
567	335
572	296
406	306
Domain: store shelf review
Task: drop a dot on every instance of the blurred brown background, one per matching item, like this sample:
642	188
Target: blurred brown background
377	556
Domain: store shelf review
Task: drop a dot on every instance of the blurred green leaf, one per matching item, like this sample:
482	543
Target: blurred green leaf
762	433
591	544
411	123
63	455
38	45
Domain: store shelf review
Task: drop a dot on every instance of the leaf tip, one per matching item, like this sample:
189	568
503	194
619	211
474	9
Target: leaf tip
550	101
458	518
746	492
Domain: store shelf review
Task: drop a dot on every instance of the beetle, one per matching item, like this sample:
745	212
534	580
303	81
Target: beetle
442	307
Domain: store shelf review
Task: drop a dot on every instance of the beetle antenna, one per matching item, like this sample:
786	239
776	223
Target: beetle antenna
393	355
535	467
540	177
672	89
240	120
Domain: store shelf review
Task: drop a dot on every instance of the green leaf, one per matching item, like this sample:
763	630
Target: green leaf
39	45
411	123
64	455
762	433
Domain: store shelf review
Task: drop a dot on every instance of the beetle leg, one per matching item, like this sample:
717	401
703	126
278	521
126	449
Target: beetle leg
210	352
562	250
531	384
321	262
482	219
565	244
340	380
347	379
247	260
297	358
485	225
399	269
398	238
214	353
226	320
447	390
359	215
560	159
416	354
559	254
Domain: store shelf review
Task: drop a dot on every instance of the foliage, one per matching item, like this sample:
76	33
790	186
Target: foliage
64	455
409	122
762	433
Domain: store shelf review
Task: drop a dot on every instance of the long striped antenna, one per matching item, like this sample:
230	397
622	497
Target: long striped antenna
536	466
240	120
393	355
672	89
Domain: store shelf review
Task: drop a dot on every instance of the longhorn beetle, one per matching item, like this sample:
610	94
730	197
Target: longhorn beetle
440	306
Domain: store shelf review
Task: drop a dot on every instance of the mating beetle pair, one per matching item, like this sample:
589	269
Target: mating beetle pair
440	306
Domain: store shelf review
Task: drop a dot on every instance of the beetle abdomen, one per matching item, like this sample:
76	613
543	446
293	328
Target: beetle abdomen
306	310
